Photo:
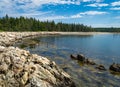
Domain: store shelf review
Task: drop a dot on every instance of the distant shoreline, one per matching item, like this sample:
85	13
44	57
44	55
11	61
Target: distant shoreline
83	33
10	37
62	33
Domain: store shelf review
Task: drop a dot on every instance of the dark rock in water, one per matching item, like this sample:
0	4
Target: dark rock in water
90	62
115	67
73	57
81	57
100	67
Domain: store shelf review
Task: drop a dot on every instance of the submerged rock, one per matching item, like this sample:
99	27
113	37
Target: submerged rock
19	68
73	57
82	59
101	67
90	62
79	57
115	67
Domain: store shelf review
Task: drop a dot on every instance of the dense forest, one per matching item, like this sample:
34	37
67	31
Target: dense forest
31	24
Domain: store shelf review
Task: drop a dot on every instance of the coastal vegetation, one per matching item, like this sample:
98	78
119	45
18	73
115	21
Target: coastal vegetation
31	24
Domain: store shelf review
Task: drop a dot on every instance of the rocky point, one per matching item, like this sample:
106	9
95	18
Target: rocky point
19	68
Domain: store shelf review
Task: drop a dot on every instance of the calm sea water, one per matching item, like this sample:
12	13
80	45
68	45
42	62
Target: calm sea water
102	48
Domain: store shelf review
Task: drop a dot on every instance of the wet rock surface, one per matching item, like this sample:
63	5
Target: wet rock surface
115	67
81	58
100	67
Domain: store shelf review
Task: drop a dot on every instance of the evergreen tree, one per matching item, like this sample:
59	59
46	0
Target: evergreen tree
31	24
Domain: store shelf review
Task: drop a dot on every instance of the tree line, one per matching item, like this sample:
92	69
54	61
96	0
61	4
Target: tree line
111	29
31	24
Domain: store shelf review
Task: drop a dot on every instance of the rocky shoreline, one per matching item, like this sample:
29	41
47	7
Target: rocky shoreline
19	68
113	68
8	38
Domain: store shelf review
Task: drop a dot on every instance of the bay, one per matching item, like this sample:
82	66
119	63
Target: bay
102	48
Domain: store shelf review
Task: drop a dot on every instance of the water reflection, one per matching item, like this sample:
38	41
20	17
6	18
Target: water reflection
116	35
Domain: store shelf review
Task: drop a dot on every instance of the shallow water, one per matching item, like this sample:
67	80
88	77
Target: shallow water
102	48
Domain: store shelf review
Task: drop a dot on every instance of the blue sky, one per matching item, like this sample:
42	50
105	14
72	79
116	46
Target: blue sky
97	13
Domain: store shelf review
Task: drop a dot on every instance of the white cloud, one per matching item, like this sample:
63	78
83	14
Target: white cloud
98	5
43	16
87	0
92	5
53	18
22	1
41	2
33	3
93	13
6	6
76	16
33	14
115	8
92	0
116	3
28	7
80	15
